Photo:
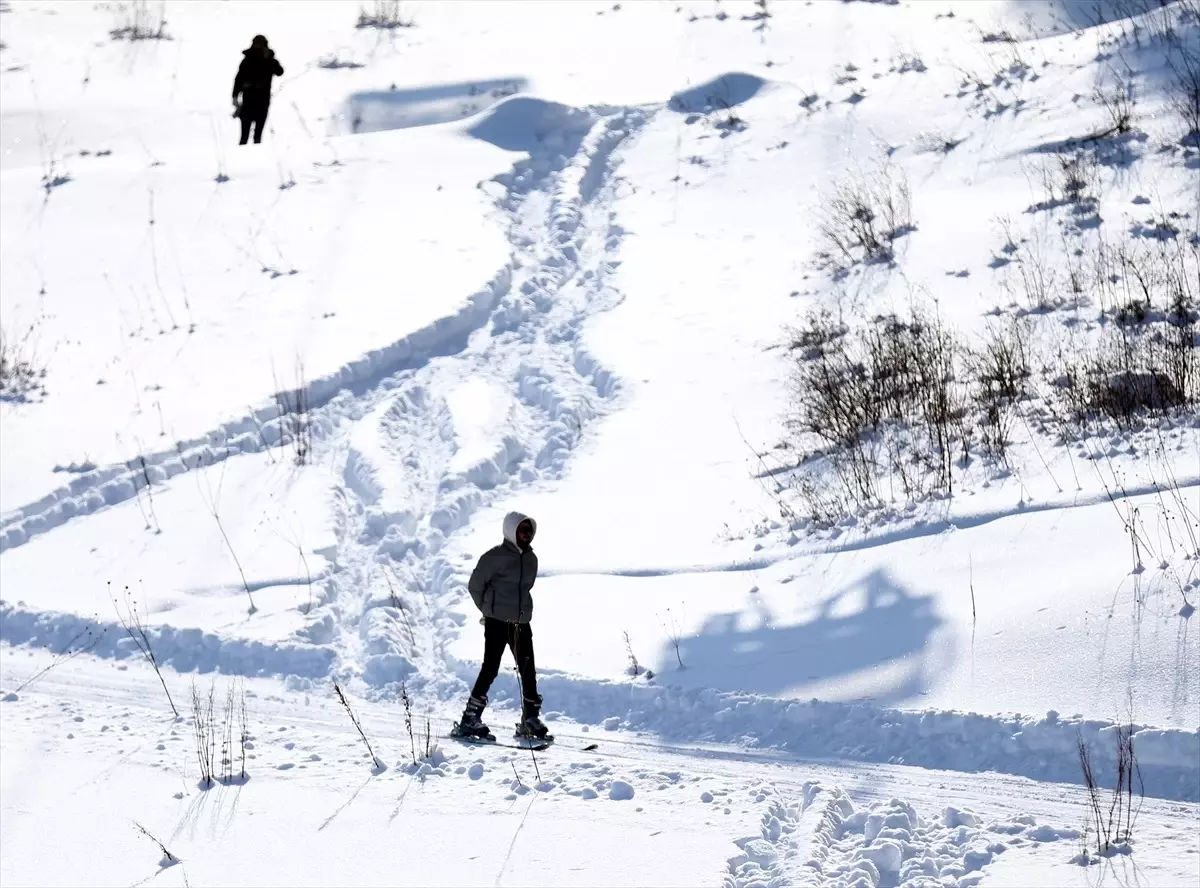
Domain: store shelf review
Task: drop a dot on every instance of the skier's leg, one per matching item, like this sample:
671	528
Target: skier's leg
523	654
245	121
521	642
260	122
494	639
471	724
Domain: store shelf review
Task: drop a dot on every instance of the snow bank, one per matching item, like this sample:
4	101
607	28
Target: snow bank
1039	748
184	650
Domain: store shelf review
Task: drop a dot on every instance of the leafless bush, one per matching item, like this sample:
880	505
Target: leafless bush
212	501
21	374
133	622
204	730
1069	177
864	215
398	604
906	62
429	742
168	859
294	419
81	643
674	631
635	668
1033	277
883	402
383	15
226	763
408	727
936	142
1113	821
146	484
243	733
335	62
375	762
1183	93
1145	361
136	21
1000	373
1119	101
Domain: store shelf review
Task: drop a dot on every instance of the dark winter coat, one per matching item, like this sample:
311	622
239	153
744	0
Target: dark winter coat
501	582
253	80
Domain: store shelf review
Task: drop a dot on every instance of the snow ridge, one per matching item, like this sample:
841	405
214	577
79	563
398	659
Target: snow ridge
1038	748
327	400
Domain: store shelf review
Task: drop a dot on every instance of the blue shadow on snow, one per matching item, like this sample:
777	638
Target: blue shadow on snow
891	628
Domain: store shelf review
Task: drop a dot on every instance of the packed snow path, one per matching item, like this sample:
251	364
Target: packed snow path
518	396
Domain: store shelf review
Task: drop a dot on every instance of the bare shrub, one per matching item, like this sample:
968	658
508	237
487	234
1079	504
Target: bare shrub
635	668
1113	821
1145	360
1183	94
223	763
294	419
83	642
883	402
1033	278
1119	101
135	20
673	628
864	215
168	859
204	731
383	15
133	622
375	762
408	726
21	374
1069	177
212	501
1000	374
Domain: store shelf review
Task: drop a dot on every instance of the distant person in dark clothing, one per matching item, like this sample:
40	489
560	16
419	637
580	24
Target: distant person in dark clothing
252	87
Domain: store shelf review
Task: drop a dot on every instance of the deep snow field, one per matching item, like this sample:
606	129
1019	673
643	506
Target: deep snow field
559	257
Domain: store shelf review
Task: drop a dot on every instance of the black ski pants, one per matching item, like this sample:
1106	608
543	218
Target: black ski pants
254	113
518	637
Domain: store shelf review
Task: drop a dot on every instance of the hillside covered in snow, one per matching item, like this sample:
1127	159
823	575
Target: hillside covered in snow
844	352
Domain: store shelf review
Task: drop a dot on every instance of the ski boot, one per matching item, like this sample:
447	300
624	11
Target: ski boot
471	727
531	727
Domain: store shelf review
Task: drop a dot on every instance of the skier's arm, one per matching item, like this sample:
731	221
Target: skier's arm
239	79
278	67
535	568
485	569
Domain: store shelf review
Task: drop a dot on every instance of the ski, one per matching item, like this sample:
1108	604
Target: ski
536	746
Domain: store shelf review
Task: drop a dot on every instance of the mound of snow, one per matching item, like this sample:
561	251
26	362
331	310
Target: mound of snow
523	123
726	91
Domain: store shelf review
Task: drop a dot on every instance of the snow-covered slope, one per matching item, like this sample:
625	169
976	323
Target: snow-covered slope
553	257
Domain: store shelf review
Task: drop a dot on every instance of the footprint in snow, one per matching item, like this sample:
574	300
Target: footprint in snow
286	766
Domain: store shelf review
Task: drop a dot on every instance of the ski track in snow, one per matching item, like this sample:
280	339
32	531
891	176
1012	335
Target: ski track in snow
560	222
